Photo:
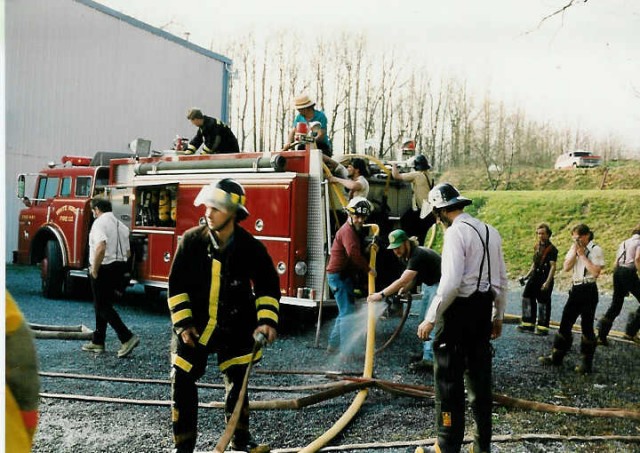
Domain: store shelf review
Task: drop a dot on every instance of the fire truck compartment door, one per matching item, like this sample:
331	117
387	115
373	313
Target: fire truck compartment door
157	255
269	205
279	252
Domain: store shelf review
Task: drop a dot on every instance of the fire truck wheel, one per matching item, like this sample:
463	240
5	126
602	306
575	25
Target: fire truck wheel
51	271
153	294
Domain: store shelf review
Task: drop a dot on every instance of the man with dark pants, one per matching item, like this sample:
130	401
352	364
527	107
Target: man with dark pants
625	281
223	291
215	136
467	313
422	268
416	221
108	253
585	261
536	296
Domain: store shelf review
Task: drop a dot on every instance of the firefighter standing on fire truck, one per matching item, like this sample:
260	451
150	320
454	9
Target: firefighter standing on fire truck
216	135
223	290
416	221
307	113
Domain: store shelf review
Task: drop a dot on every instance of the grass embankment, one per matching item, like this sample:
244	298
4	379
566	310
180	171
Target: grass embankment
615	175
611	214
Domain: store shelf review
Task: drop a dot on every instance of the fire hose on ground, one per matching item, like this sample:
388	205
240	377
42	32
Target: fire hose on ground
355	406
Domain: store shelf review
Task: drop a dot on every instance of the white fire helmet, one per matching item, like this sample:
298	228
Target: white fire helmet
226	195
359	206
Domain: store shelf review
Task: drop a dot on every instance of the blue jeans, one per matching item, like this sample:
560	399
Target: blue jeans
428	293
342	288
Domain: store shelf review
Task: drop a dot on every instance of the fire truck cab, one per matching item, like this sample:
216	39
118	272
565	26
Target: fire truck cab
287	196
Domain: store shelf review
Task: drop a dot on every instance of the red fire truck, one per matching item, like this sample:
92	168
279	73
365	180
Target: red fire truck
153	194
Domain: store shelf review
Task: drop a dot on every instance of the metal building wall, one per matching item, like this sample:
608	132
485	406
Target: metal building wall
82	78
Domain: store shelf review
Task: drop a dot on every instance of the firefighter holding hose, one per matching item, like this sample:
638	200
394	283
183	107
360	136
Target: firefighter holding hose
223	291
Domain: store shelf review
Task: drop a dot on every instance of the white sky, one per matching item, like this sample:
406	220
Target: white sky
580	70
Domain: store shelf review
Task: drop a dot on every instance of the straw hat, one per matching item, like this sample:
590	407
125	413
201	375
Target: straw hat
303	101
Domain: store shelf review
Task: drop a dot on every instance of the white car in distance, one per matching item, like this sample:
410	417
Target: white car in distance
577	159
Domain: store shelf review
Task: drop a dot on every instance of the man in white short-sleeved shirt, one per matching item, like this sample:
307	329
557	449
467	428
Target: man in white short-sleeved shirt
585	260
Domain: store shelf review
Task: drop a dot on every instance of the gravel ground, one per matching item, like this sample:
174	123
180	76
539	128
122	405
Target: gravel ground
82	426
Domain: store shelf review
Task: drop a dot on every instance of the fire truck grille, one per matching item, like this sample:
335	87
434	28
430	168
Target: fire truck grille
316	233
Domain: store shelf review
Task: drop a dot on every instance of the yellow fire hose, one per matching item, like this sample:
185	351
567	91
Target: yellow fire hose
355	406
260	341
335	187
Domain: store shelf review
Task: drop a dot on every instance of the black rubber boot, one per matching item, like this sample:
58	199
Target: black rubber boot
587	351
604	327
560	347
528	320
633	324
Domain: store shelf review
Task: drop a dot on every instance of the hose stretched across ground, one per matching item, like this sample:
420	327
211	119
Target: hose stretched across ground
355	406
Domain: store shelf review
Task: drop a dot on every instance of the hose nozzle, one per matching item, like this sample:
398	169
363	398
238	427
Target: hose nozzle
260	339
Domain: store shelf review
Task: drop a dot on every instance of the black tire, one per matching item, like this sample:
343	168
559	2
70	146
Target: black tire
156	298
77	288
52	273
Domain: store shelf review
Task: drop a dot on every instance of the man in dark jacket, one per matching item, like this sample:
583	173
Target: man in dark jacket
538	284
223	291
216	136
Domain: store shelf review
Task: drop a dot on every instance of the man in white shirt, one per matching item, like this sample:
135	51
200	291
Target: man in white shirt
108	253
467	313
585	261
625	281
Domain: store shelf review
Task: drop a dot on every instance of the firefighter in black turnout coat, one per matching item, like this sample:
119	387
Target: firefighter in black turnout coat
223	290
214	135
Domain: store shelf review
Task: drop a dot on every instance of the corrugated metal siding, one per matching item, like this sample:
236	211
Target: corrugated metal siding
81	78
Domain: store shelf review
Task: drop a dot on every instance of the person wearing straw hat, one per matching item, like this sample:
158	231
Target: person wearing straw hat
307	113
422	268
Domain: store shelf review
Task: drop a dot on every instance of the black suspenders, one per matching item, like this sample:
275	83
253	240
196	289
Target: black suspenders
485	248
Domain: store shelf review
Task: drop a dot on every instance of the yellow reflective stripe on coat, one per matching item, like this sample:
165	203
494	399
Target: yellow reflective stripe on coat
180	315
269	314
267	300
214	294
241	360
177	299
182	364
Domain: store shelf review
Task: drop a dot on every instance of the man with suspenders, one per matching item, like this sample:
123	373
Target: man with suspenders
466	313
625	281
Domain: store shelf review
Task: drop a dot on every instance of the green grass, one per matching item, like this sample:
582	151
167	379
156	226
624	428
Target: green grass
616	175
610	214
